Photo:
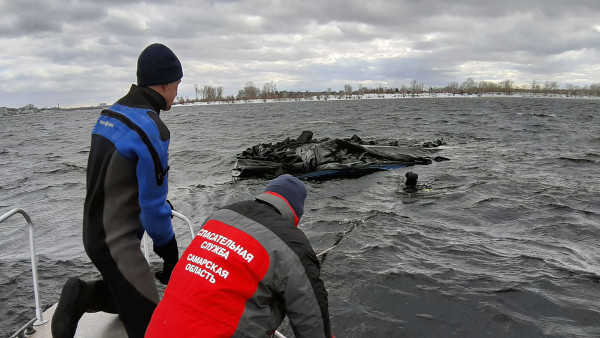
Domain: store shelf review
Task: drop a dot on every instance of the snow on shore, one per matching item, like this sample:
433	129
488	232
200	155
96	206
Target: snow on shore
337	97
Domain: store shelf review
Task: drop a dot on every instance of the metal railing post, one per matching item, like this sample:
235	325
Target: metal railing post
39	315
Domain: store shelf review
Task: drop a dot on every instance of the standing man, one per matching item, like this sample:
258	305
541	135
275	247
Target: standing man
247	268
127	195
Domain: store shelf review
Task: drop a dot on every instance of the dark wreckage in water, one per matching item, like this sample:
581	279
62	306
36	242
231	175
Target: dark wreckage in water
312	159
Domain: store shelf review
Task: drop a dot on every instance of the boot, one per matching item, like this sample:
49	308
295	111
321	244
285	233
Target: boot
78	297
68	312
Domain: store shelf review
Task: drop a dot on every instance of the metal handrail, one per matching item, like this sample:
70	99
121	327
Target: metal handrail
176	214
39	315
180	216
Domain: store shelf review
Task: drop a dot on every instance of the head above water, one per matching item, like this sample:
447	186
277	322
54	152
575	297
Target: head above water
158	65
411	179
290	188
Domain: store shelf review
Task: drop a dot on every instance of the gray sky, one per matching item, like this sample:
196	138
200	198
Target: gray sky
75	52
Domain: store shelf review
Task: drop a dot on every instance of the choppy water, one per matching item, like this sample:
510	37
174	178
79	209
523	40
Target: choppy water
505	245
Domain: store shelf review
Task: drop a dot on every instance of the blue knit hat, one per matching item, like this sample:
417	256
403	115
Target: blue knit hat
290	188
158	65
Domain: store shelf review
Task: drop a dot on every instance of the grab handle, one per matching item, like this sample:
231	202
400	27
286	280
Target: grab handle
39	315
175	214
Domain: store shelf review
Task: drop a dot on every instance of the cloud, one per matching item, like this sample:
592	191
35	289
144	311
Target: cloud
84	52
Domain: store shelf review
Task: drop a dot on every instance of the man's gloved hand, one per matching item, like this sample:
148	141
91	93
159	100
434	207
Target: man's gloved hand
170	255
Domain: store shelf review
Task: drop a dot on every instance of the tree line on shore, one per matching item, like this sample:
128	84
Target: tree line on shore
210	93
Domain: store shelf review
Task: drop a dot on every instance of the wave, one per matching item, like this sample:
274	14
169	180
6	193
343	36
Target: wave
319	122
577	160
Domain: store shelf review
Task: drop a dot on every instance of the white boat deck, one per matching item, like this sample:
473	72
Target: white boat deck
91	325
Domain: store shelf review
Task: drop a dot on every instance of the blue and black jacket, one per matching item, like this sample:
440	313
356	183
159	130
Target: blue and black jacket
127	189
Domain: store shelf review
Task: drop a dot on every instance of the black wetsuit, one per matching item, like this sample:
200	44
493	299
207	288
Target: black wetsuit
126	195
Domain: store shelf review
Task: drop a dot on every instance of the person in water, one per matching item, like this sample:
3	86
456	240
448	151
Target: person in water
127	195
246	269
411	184
411	180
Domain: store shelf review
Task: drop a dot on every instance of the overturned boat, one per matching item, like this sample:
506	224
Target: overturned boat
312	159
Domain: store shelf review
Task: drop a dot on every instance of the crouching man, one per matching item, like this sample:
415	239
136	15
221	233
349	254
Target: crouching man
247	268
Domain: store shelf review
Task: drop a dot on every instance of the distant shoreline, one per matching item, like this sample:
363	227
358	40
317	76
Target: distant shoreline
308	98
394	96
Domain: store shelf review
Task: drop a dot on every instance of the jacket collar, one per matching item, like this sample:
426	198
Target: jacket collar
144	97
281	204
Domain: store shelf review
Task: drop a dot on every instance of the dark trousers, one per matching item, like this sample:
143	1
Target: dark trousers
115	294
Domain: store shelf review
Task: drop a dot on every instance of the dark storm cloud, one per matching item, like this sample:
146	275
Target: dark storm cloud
26	17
